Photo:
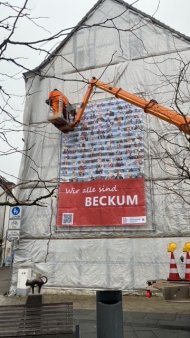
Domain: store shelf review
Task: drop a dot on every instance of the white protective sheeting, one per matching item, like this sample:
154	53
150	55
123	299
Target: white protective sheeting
143	58
124	264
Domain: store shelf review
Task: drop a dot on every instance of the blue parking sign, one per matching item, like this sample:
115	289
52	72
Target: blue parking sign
15	212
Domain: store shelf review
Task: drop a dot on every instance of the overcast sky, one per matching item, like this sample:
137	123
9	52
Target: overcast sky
60	14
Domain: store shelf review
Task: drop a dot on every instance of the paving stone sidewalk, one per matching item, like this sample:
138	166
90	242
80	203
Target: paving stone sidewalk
139	324
142	317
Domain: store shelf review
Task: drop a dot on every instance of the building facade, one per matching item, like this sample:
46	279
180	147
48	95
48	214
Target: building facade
116	148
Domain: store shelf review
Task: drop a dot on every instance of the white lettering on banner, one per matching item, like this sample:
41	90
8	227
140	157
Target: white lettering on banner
111	200
104	189
72	191
90	189
101	200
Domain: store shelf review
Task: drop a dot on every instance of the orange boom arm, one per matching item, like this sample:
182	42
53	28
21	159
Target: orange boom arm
150	107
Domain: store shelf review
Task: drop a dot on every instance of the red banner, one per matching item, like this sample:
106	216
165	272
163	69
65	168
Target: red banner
102	203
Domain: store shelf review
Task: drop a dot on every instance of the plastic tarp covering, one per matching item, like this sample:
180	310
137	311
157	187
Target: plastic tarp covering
143	58
124	263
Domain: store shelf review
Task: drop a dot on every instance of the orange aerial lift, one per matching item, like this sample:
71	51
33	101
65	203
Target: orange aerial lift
151	107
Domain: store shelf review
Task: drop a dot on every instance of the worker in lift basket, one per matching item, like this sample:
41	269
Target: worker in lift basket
60	104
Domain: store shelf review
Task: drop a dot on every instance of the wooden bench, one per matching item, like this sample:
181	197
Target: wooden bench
38	320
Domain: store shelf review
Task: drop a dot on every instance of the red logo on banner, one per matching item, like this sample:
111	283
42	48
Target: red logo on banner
102	203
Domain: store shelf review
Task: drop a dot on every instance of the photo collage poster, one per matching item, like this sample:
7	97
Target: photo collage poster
103	156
